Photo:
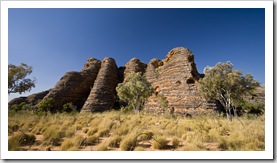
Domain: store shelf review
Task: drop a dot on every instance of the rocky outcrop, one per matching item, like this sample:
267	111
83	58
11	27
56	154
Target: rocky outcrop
175	78
32	99
74	87
93	88
102	95
134	65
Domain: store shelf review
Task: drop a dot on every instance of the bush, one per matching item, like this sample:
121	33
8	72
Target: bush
13	127
45	105
128	144
69	107
53	135
114	141
175	142
160	143
92	131
104	133
68	145
18	107
92	140
20	139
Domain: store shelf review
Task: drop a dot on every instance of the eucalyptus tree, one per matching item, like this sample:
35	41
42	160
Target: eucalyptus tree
134	90
226	85
18	83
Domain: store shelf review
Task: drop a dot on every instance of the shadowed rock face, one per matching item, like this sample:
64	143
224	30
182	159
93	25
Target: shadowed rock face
74	87
102	95
176	78
32	99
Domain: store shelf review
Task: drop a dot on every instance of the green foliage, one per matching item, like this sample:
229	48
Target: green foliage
18	107
45	105
134	91
226	85
69	107
253	108
18	83
163	101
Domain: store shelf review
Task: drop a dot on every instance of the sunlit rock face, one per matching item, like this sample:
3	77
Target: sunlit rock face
175	78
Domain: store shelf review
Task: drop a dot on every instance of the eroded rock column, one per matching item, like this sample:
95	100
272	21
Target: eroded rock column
102	95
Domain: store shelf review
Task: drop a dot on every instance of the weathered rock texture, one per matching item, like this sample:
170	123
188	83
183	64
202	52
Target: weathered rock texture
175	78
134	65
102	95
74	87
93	88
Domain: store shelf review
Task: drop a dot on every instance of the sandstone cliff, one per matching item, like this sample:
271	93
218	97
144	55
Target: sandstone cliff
93	88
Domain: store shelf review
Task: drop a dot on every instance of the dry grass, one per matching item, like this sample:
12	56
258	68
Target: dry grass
115	130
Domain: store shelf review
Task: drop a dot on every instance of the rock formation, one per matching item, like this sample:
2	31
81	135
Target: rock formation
134	65
102	95
74	87
176	79
32	99
93	88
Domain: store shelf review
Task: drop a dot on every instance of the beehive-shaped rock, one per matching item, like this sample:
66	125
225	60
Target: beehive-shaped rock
74	87
102	95
176	79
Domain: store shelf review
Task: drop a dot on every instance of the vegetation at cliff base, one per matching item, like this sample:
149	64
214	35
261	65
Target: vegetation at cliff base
117	130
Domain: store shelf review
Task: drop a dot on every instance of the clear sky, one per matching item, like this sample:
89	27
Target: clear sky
55	41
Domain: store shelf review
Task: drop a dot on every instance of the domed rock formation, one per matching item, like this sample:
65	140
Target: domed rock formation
74	87
134	65
176	79
93	88
102	95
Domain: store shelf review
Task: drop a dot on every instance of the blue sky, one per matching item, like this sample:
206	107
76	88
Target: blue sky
55	41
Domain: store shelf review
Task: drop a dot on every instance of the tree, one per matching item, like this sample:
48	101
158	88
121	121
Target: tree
226	85
135	90
18	83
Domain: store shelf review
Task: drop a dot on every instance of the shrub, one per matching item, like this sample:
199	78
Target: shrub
85	130
12	127
175	142
68	145
91	140
20	139
79	140
139	148
92	131
160	143
102	147
69	107
45	105
104	133
53	135
147	135
114	141
128	144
